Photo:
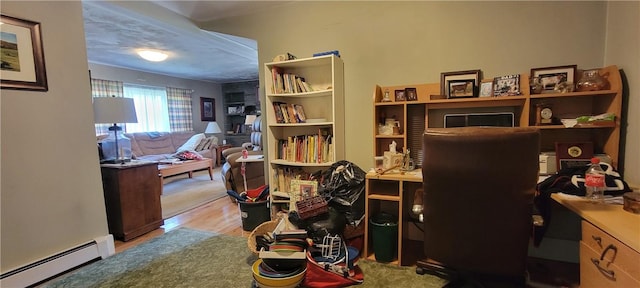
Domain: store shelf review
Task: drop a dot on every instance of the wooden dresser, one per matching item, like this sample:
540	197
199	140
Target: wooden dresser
132	198
610	245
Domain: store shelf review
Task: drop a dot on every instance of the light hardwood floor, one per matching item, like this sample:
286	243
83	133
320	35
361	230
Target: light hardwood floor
221	216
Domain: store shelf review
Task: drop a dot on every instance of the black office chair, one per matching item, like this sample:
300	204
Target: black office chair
479	184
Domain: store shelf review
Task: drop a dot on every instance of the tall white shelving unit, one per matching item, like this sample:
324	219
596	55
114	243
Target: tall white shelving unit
323	108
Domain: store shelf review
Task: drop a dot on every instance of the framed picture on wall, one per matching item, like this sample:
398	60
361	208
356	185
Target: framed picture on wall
207	109
22	55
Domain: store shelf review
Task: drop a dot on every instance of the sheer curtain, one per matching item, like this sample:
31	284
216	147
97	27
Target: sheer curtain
151	108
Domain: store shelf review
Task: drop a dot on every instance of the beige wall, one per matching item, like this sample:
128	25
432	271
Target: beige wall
200	89
395	43
623	49
51	193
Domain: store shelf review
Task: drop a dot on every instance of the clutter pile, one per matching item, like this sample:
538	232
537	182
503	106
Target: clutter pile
318	242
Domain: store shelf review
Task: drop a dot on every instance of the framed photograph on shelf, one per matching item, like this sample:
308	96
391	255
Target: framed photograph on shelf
302	189
486	89
207	109
22	55
549	77
411	94
506	85
461	88
468	75
400	95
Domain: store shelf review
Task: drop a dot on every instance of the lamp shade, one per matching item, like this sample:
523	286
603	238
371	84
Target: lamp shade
114	110
250	119
212	127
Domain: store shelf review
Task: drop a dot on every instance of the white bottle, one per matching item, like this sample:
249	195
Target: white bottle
595	182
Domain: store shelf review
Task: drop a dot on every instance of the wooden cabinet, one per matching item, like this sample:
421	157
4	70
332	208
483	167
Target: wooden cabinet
430	113
609	245
299	147
605	261
393	194
132	198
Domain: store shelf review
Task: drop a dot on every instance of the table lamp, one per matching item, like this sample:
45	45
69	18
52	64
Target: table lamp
250	119
212	128
116	148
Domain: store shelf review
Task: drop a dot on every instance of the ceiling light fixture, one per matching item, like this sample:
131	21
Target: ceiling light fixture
152	55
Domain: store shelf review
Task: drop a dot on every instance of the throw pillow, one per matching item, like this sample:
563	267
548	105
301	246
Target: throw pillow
204	144
191	144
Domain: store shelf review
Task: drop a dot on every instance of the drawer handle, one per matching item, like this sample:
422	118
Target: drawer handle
606	272
597	239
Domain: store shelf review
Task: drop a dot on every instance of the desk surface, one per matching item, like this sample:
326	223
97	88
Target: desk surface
412	176
611	218
251	158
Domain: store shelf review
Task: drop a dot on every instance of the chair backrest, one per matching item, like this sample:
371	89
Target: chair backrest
479	184
256	133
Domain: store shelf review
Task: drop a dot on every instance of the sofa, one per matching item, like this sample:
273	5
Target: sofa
157	146
231	169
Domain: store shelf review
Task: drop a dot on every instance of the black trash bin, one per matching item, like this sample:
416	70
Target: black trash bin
254	214
384	229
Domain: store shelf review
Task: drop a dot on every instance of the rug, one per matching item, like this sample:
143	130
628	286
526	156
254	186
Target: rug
191	258
181	193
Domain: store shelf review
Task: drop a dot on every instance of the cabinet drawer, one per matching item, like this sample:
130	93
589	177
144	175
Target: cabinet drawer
608	275
625	257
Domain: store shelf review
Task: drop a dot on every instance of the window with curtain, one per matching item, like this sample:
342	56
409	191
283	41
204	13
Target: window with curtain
151	108
180	107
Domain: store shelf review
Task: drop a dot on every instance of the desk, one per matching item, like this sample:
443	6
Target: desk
604	225
392	193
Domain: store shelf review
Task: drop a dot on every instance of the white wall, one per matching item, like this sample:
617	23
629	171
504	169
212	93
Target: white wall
51	193
200	88
396	43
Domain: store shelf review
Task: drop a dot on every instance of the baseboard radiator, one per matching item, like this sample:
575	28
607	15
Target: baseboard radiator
55	264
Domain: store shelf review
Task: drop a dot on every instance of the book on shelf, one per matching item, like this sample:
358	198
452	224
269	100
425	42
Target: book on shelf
289	113
283	83
312	148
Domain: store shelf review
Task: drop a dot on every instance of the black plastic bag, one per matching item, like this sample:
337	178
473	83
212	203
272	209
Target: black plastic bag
343	187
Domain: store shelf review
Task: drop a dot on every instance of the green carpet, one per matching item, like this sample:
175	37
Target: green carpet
191	258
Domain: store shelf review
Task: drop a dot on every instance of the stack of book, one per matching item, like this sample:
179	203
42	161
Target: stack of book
288	83
289	113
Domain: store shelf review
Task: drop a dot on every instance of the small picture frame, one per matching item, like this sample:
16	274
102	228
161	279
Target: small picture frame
411	94
549	77
445	77
23	65
461	88
302	189
207	109
506	85
400	95
486	89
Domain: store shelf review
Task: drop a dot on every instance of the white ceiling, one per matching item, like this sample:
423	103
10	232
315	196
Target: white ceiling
115	29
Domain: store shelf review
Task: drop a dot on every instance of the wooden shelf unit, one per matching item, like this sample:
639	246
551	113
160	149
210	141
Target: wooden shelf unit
324	106
387	193
606	138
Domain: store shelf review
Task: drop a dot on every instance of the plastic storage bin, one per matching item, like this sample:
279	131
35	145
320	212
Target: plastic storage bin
253	214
